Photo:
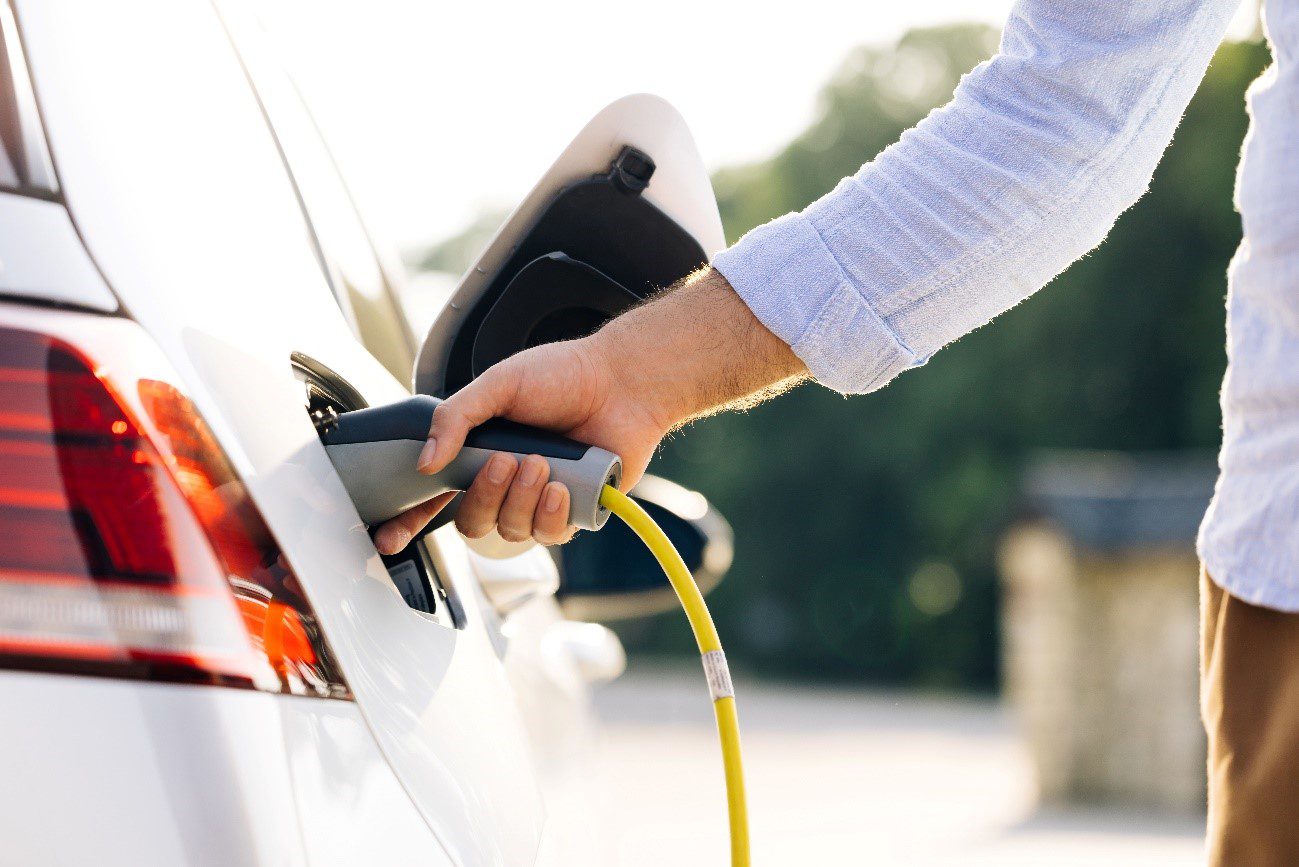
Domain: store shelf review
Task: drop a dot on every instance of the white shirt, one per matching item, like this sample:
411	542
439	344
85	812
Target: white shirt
1025	170
1250	537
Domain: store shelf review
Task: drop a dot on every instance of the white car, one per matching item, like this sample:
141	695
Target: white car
203	659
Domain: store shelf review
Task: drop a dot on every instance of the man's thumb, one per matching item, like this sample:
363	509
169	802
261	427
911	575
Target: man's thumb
477	402
446	434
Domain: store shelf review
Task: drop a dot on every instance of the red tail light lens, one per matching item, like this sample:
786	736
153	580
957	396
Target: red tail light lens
128	546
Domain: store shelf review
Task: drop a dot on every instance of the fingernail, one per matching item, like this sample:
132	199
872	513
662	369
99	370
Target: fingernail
392	541
498	469
426	455
531	473
554	497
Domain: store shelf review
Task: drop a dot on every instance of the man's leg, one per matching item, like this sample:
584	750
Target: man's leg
1249	697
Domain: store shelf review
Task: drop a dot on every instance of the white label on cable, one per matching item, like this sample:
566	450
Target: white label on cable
718	675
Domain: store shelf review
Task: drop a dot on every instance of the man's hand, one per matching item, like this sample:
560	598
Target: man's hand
688	352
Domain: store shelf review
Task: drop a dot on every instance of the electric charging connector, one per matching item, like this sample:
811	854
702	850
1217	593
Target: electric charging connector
375	450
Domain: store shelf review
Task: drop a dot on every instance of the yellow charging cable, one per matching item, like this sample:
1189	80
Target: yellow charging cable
710	646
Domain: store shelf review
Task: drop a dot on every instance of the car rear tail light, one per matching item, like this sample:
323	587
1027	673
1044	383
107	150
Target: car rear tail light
128	545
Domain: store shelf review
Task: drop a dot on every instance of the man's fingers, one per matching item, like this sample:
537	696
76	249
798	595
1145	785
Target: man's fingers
515	521
482	502
397	533
485	398
550	522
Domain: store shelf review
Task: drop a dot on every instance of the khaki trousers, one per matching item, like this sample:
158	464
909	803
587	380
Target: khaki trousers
1249	699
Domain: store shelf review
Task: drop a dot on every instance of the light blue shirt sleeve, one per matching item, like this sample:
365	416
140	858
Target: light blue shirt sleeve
986	199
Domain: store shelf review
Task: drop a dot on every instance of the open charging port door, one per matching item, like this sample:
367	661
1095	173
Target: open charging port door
627	209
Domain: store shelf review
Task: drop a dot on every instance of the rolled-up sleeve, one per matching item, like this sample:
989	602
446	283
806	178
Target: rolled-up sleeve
988	198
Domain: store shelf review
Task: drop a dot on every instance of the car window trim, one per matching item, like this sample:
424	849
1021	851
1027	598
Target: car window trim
38	167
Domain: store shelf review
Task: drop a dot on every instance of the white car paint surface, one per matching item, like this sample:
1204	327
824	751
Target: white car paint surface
176	186
178	225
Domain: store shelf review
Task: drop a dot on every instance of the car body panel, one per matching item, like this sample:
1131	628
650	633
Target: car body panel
176	194
41	256
197	775
360	281
351	808
181	198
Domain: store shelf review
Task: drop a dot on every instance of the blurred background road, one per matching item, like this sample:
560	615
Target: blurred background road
844	776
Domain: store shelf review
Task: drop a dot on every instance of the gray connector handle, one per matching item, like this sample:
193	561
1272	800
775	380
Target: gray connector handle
375	452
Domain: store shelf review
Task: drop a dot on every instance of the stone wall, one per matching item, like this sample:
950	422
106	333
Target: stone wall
1100	657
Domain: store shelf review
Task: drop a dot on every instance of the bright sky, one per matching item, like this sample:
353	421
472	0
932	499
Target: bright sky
437	111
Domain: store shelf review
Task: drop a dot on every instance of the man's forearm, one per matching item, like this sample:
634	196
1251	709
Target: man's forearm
696	349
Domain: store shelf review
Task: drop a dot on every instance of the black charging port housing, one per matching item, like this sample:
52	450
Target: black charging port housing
415	576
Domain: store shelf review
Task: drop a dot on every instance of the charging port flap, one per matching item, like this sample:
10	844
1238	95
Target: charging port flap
627	209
